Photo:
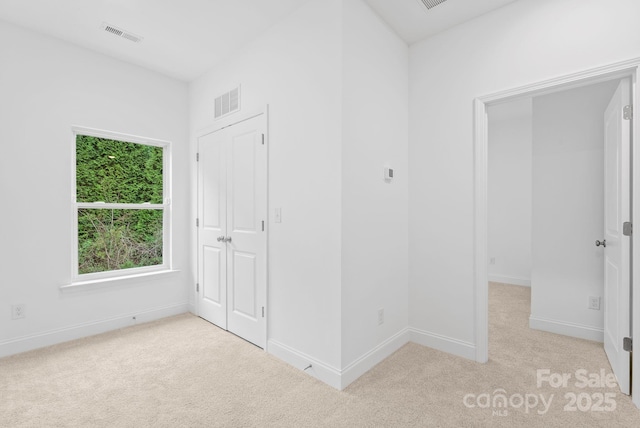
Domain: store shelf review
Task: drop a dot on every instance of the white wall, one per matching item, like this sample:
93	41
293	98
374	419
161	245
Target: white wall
509	192
47	86
526	41
296	68
374	212
336	81
315	88
568	213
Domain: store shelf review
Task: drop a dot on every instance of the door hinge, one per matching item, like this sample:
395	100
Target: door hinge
197	287
263	312
263	139
627	112
263	225
627	344
197	157
197	222
627	228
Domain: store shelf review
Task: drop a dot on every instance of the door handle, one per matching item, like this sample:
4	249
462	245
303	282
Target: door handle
227	239
603	243
221	239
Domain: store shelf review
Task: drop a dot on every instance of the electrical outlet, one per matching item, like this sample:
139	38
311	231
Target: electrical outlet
594	303
18	311
380	316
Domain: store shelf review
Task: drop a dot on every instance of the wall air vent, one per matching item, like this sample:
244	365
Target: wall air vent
430	4
121	33
227	103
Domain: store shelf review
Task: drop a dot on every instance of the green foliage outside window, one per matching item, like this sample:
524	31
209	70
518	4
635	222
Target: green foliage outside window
119	172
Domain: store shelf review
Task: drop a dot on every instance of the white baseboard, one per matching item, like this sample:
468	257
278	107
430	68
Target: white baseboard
53	337
566	328
443	343
504	279
321	371
339	379
369	360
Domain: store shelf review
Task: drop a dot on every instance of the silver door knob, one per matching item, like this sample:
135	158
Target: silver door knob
603	243
221	239
227	239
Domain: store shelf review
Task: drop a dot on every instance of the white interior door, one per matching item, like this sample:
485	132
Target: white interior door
232	234
246	230
212	225
617	313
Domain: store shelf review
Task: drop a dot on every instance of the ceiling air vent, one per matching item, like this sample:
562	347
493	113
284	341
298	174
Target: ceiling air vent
227	103
430	4
121	33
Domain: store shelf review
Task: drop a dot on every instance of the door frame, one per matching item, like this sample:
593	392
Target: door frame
218	126
481	142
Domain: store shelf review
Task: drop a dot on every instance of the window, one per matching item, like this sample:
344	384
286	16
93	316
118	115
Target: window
121	205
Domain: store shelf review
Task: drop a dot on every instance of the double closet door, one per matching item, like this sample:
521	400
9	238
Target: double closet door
232	238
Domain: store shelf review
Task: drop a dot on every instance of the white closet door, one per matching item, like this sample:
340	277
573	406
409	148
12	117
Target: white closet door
232	246
246	226
212	219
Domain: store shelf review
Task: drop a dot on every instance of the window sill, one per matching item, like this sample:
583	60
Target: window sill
118	280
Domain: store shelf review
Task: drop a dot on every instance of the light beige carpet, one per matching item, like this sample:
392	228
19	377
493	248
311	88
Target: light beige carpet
184	372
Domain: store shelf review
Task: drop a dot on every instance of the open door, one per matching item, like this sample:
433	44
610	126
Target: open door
617	250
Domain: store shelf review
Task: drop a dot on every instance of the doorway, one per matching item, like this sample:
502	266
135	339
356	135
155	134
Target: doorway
546	210
616	71
232	228
546	205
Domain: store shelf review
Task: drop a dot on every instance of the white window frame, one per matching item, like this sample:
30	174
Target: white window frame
76	277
